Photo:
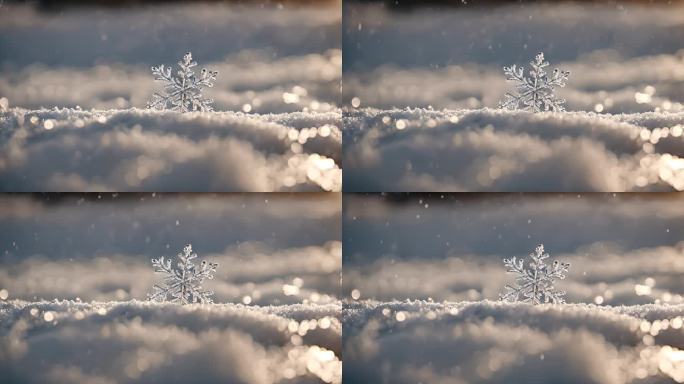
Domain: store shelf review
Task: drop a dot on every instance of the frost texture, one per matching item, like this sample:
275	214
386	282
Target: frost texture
535	282
536	92
184	90
183	284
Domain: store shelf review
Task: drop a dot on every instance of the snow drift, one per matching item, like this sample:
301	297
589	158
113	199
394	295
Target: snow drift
142	342
493	342
141	150
495	150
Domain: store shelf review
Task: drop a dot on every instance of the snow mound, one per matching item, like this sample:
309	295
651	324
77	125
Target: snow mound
141	150
496	150
131	342
421	341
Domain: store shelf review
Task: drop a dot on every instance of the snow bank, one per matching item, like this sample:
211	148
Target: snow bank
141	342
495	150
419	341
141	150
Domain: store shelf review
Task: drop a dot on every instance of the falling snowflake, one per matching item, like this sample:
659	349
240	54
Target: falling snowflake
536	92
183	283
535	282
183	91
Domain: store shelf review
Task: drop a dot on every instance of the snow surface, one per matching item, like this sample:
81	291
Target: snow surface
143	150
143	342
495	342
74	267
271	59
418	149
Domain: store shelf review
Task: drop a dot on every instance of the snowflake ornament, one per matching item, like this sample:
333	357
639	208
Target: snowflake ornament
183	282
535	281
183	91
536	92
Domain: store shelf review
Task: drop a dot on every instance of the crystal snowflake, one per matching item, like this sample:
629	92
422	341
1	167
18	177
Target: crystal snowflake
535	282
183	282
536	92
183	91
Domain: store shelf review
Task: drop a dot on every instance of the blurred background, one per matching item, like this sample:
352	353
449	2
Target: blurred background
272	56
623	56
271	248
623	248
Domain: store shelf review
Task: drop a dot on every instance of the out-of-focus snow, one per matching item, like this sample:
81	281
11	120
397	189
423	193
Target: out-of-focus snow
270	59
247	275
250	81
496	150
494	342
623	57
143	342
272	248
624	249
141	150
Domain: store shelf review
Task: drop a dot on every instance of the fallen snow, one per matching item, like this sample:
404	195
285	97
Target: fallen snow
418	149
466	342
142	150
143	342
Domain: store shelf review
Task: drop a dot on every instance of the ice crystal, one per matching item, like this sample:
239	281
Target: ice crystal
183	91
183	282
535	282
536	92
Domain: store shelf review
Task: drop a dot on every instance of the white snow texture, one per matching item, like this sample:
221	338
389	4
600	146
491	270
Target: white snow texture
280	72
624	58
498	150
156	151
144	342
74	269
495	342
